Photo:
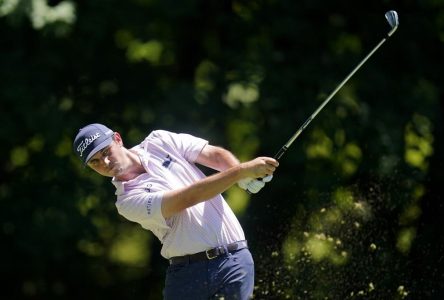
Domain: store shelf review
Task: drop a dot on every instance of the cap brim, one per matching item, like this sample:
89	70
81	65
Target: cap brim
99	147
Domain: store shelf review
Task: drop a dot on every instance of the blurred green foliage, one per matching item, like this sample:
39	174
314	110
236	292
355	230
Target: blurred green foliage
355	209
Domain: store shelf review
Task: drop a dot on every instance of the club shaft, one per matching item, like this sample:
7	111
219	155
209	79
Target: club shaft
284	148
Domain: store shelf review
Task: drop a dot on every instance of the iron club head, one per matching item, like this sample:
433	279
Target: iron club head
393	20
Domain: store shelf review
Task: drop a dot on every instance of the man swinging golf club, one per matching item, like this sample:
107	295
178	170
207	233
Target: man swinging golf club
159	186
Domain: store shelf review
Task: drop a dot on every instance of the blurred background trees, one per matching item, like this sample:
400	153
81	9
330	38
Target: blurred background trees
354	211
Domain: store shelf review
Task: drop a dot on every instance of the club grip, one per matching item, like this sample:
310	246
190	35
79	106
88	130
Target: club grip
281	152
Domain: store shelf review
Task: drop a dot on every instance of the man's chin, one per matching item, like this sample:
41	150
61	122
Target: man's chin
116	171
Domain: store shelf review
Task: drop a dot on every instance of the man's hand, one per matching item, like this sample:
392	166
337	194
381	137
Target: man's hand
261	168
253	185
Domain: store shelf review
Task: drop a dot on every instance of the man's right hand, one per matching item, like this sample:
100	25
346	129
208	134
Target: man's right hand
261	168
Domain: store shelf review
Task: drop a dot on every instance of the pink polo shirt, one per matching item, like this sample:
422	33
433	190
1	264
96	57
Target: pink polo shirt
168	159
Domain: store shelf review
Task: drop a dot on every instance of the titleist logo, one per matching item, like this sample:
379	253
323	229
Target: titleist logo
86	142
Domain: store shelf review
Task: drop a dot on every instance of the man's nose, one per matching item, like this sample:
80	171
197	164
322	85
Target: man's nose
106	160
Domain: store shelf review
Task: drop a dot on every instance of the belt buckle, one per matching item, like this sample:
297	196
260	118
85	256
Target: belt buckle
209	256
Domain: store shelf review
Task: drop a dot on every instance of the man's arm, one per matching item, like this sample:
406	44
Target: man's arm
177	200
216	158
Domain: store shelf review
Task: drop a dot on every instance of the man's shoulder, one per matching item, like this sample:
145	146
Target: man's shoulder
159	134
168	139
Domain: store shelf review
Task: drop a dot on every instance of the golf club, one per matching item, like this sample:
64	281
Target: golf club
392	18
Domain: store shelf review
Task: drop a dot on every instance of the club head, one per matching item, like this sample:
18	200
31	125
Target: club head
393	20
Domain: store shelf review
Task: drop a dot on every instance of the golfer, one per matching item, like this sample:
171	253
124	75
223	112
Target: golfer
159	186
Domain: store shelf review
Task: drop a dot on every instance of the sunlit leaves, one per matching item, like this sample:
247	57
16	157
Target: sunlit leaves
405	239
239	93
363	293
349	158
315	247
59	18
88	203
150	51
343	198
243	10
131	247
8	6
108	88
65	104
321	247
291	249
203	74
90	248
347	43
418	142
64	147
42	14
36	143
135	135
153	51
410	214
402	292
238	200
203	81
126	244
321	145
123	38
243	138
346	157
19	156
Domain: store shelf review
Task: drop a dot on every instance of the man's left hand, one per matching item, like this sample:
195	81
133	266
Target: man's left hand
254	185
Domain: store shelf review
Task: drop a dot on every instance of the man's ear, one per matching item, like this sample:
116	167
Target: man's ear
118	139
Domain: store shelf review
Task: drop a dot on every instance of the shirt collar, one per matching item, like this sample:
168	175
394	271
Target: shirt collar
144	157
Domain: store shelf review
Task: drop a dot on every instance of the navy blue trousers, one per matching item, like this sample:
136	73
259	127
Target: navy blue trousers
227	277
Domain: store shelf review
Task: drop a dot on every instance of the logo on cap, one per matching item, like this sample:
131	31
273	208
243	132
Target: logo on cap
85	143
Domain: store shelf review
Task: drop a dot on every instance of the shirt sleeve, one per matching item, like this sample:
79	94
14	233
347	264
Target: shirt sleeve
187	145
144	208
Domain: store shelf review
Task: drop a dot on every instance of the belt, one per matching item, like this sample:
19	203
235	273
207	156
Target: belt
208	254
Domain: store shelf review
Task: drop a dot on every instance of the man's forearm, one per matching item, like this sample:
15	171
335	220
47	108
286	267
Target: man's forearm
217	158
202	190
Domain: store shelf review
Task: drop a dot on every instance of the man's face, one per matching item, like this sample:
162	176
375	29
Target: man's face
108	161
